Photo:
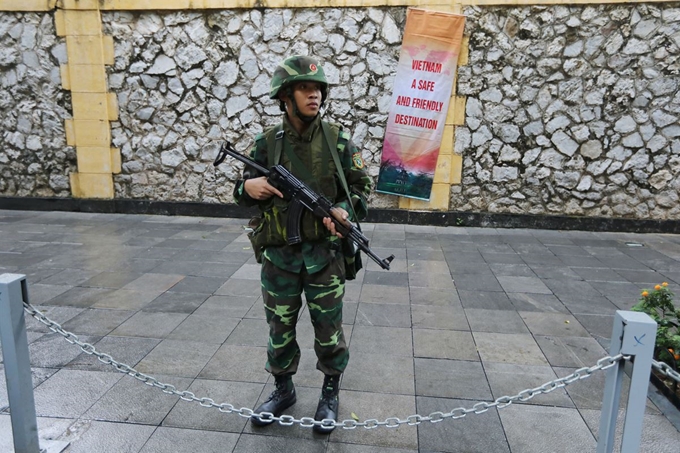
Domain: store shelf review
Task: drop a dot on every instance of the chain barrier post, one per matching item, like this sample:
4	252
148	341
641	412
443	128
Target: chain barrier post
634	335
13	293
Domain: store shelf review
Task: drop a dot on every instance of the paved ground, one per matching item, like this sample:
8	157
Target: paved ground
465	315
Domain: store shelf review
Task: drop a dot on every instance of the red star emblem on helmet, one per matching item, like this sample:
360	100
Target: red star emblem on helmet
312	67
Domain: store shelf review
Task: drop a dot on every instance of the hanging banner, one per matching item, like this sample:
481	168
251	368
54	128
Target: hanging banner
420	102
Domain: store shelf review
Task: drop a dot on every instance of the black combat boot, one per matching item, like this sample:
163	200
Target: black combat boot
281	399
328	404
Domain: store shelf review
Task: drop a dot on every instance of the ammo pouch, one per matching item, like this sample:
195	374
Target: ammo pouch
257	239
351	255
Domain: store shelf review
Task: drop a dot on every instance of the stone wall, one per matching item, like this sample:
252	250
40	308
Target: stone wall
571	110
187	81
34	158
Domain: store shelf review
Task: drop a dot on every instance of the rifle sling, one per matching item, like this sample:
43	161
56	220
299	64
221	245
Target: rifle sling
339	168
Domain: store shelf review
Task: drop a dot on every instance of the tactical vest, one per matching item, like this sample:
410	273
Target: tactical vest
316	169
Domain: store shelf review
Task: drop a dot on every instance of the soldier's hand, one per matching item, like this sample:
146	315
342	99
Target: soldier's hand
328	222
260	189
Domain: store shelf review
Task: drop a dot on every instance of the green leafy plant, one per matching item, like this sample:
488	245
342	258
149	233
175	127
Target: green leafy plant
658	304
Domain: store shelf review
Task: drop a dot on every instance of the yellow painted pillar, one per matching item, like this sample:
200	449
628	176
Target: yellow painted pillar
88	51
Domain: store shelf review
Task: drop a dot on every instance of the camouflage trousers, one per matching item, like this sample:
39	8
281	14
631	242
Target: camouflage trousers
282	291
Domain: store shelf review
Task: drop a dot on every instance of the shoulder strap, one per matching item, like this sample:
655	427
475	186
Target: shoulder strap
273	137
339	168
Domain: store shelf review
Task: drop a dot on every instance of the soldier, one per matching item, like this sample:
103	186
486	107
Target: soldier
309	148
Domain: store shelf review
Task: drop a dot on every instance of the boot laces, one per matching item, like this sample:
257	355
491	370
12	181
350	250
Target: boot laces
330	389
280	390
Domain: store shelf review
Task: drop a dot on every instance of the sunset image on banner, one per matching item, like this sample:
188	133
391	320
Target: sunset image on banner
420	102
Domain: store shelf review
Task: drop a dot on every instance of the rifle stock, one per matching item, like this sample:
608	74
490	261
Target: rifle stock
302	196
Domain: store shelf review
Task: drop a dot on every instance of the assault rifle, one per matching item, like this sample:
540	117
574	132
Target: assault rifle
302	197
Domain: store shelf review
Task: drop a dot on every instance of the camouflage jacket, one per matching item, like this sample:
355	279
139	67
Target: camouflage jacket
319	173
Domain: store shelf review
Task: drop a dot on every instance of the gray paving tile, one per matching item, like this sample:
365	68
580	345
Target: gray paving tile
591	306
125	299
537	302
384	294
127	350
491	300
433	296
444	344
498	321
658	434
194	416
250	332
112	280
248	272
512	270
176	302
388	340
256	443
176	440
237	363
198	285
429	267
52	350
463	267
587	393
396	374
557	324
366	405
451	379
81	297
476	282
149	325
533	285
388	315
39	294
96	321
449	316
154	282
240	287
58	397
177	358
641	276
571	290
556	272
69	277
205	329
509	379
133	401
57	314
478	433
229	306
570	351
431	280
509	348
38	376
350	448
598	325
393	279
48	428
573	436
104	437
590	274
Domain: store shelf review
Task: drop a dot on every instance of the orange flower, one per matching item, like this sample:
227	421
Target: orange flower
664	284
645	294
657	287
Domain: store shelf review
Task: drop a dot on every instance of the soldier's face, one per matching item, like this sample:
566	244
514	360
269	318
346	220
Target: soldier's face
307	97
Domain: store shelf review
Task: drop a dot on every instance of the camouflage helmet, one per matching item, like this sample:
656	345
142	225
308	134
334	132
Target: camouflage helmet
298	68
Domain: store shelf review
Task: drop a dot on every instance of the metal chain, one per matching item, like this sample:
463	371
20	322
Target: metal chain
308	422
666	370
